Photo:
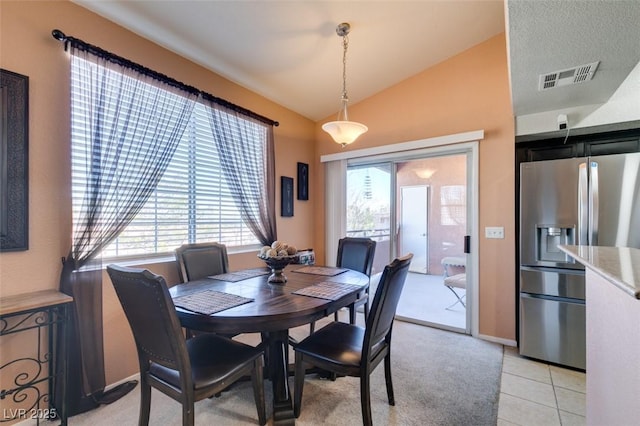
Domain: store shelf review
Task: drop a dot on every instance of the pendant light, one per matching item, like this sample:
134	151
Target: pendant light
342	130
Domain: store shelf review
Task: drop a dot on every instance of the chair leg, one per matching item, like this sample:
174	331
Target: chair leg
460	299
145	402
188	416
387	379
298	385
366	311
257	377
352	314
365	400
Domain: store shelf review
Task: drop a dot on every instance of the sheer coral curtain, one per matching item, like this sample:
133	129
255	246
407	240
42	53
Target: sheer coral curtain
127	124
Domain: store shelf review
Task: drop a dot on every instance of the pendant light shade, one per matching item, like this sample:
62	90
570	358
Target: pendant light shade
342	130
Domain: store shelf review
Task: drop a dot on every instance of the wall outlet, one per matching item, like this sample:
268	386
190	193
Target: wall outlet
494	232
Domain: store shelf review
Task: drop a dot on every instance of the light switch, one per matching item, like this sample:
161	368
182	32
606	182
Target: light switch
494	232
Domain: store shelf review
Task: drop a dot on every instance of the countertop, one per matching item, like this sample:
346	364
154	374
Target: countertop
619	265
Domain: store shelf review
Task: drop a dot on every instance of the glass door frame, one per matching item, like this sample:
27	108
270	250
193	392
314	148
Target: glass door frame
335	197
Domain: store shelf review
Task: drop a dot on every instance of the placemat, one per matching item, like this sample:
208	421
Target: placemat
210	301
327	290
327	271
240	275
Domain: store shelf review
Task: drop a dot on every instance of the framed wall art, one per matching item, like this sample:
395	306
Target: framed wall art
286	196
14	166
303	181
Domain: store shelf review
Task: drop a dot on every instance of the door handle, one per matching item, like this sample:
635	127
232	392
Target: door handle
583	207
593	203
467	244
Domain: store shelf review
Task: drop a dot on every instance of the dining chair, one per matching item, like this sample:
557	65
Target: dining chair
351	350
186	370
356	254
200	260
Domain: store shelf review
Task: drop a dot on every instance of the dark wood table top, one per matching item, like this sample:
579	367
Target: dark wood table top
274	307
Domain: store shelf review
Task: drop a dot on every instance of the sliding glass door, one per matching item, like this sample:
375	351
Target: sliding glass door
417	205
369	208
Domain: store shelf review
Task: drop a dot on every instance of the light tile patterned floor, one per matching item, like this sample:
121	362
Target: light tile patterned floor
537	394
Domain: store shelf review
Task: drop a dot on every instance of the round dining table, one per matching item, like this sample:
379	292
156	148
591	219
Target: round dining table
273	309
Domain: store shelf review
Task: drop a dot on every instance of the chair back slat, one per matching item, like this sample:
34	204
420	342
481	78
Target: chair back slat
151	313
356	254
200	260
385	301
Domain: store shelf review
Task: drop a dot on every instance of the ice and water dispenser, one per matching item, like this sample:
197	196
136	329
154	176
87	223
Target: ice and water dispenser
549	237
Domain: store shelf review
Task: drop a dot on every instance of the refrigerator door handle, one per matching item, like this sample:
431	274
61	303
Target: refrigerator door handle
593	203
583	208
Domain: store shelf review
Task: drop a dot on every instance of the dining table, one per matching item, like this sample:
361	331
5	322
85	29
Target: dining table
246	302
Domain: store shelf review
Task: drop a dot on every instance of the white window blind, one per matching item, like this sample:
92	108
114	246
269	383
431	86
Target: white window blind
192	202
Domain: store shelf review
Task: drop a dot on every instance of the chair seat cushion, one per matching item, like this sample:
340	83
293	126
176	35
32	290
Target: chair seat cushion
213	360
458	281
337	343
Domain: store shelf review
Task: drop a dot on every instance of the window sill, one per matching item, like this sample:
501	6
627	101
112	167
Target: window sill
137	261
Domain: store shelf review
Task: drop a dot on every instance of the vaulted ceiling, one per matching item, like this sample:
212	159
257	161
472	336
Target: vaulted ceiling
289	52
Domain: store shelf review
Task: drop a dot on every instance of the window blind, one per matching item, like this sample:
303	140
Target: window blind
192	202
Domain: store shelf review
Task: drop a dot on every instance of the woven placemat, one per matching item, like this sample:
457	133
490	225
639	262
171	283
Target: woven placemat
327	271
232	277
210	301
327	290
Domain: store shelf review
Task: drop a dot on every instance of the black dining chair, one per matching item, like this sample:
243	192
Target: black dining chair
201	260
356	254
186	370
351	350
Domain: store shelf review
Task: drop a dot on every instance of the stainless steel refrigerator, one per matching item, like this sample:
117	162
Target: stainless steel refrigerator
584	201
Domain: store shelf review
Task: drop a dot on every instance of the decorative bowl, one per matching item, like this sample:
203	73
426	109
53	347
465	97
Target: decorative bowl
277	264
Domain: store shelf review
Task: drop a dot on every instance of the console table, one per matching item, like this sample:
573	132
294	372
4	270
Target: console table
45	313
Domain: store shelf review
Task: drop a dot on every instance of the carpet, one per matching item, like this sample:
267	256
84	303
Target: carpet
439	377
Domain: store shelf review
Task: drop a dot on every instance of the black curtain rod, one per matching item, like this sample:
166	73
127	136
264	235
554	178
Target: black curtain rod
119	60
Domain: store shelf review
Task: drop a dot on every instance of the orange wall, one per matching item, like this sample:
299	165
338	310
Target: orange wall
467	92
27	47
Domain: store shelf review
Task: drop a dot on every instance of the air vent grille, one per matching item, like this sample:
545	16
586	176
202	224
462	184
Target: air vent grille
575	75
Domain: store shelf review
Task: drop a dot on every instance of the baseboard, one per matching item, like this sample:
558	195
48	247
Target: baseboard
505	342
119	382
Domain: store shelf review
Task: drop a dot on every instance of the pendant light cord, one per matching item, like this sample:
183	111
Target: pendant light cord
345	45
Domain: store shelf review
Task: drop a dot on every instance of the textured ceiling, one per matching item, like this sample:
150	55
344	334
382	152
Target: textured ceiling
289	52
546	36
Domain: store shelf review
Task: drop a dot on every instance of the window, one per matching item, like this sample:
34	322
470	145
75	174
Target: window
452	205
192	202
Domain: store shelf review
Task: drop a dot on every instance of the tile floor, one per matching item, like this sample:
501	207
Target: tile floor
537	394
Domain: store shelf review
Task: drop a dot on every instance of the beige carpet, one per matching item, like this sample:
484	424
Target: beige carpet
440	378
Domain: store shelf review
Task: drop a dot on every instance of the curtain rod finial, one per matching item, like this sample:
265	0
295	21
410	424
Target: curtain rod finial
59	35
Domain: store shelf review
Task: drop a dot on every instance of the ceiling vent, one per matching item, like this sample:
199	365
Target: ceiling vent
578	74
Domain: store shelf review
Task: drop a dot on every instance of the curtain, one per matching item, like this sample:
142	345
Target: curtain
246	149
335	207
131	124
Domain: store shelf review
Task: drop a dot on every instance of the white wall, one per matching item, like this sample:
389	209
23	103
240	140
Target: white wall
623	106
613	350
